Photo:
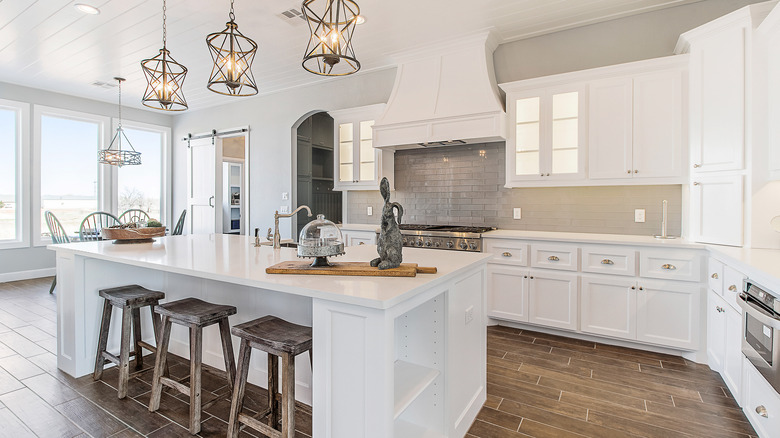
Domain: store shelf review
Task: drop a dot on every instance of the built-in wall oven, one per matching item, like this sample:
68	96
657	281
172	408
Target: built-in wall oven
761	330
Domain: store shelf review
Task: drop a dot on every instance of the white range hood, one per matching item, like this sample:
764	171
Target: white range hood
442	96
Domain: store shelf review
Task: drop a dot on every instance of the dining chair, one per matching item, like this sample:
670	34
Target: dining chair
179	228
94	222
58	235
133	215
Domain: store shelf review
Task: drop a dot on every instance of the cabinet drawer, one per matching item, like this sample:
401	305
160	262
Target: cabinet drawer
732	286
564	257
759	397
670	265
509	252
609	260
715	275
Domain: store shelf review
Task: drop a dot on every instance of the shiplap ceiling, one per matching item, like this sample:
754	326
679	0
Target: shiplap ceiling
50	45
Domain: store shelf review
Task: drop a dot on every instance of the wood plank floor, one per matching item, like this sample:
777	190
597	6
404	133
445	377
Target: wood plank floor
538	385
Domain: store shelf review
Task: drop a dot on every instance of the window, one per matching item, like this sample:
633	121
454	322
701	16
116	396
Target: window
14	156
142	186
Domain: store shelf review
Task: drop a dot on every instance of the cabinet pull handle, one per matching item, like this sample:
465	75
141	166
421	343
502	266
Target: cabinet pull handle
507	254
733	288
696	183
761	410
362	243
669	267
607	262
548	174
541	174
719	309
696	166
553	258
715	275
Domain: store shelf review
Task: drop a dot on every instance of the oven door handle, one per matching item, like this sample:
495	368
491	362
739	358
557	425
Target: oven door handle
758	313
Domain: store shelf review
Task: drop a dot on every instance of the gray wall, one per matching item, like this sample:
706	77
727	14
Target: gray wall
27	259
464	185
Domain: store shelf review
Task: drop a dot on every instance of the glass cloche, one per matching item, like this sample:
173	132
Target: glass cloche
320	239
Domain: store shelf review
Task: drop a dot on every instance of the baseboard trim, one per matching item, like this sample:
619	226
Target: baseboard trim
27	275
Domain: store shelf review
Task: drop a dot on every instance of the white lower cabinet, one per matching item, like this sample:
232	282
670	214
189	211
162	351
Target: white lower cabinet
759	401
608	306
732	366
553	299
509	292
667	313
716	329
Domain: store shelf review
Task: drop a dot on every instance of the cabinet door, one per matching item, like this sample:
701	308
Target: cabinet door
732	365
354	238
366	156
527	137
553	299
715	275
608	306
657	134
667	313
346	153
717	134
565	151
716	330
716	209
610	129
732	286
507	293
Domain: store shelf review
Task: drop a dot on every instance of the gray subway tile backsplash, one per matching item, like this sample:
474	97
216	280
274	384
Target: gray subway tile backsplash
464	185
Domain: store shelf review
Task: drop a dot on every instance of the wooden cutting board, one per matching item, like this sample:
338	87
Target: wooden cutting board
348	268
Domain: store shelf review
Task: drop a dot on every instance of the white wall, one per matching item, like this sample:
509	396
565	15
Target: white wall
39	258
271	119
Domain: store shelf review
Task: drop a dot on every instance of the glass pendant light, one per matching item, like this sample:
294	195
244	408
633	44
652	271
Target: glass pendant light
233	54
330	52
164	79
119	157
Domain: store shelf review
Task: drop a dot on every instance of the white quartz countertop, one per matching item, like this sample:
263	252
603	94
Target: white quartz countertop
760	265
610	239
234	259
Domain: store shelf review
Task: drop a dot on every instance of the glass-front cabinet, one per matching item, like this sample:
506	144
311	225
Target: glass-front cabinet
548	139
358	165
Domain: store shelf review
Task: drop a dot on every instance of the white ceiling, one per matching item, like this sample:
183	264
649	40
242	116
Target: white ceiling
50	45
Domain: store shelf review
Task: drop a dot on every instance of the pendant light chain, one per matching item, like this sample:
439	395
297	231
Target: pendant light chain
165	30
232	15
120	105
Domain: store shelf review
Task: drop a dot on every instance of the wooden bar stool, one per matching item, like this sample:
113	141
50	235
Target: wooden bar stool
195	314
130	299
276	337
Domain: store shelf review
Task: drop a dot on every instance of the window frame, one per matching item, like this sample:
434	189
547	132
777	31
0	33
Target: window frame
103	175
165	162
22	163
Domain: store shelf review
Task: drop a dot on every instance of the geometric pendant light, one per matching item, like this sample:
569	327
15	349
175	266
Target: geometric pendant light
232	54
164	79
331	24
118	156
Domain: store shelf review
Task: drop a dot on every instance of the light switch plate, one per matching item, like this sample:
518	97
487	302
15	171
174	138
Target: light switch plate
284	209
469	314
639	215
517	213
285	196
370	211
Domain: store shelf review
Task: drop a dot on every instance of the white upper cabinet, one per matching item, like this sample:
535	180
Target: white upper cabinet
636	127
357	164
717	209
770	32
547	135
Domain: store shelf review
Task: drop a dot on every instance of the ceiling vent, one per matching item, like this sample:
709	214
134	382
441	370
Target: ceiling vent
293	16
104	85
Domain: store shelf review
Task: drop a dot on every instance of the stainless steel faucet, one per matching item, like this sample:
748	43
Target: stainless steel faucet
276	237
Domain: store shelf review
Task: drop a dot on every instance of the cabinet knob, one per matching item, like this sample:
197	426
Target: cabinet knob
633	287
531	277
541	174
719	309
607	262
636	171
553	258
696	183
668	267
761	410
696	166
733	288
362	243
628	171
525	276
641	288
714	275
507	254
548	174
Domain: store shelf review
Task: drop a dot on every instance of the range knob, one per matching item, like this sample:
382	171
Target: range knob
463	245
403	242
428	244
472	246
420	242
450	245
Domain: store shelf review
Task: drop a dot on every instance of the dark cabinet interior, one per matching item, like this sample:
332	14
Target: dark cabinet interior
315	170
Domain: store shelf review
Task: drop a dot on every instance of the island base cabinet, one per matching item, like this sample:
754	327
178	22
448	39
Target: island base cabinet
760	402
553	299
508	297
608	306
668	313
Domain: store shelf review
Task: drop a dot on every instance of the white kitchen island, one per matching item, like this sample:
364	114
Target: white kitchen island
393	357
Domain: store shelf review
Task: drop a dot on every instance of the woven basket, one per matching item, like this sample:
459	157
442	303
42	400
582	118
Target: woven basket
143	233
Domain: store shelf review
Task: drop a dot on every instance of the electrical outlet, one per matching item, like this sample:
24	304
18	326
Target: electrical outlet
517	213
284	209
469	314
285	196
639	215
370	211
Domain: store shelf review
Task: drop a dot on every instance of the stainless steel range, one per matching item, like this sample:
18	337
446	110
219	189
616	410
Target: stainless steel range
451	237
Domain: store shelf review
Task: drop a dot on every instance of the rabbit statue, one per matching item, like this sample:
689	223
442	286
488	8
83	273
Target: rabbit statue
389	244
